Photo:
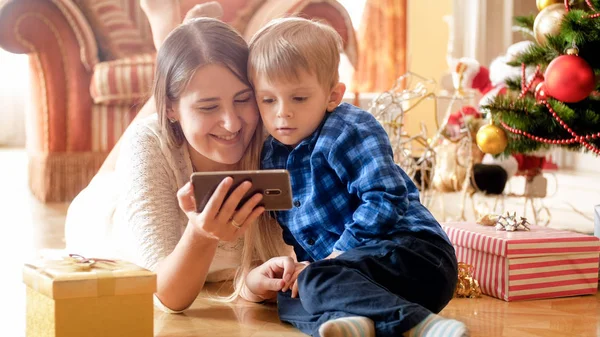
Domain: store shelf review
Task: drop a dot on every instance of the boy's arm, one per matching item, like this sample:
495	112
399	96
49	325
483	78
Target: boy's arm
362	158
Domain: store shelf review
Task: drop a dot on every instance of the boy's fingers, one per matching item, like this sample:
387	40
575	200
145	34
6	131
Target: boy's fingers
274	285
293	284
295	290
284	266
288	269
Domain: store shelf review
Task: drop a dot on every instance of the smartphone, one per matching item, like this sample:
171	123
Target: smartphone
273	184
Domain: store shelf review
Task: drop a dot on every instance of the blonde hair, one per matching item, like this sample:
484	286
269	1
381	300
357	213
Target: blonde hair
192	45
285	46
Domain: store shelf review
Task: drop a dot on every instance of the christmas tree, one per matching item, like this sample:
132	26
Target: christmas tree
559	106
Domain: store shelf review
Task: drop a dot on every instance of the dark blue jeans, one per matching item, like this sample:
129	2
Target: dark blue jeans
396	284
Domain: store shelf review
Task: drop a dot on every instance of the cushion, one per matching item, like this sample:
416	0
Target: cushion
126	81
115	31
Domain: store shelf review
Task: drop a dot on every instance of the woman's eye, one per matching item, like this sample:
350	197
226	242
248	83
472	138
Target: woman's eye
300	98
208	108
242	100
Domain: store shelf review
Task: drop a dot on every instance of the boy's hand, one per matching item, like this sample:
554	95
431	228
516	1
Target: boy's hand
292	284
300	266
270	277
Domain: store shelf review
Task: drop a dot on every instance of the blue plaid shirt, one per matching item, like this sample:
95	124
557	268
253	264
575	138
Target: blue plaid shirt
347	189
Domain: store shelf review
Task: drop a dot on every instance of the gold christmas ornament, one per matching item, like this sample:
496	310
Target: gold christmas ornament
573	51
541	4
491	139
547	22
467	286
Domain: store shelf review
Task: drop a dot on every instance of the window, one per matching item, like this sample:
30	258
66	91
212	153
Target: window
355	9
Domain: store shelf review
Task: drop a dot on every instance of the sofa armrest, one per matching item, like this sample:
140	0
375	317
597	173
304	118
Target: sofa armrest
70	12
62	52
330	11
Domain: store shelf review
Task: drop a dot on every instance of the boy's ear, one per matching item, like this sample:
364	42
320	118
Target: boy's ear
335	96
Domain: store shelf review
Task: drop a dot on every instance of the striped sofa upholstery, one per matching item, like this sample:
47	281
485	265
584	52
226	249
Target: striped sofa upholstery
92	66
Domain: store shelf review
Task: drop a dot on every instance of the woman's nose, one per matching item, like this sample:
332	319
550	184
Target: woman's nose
231	120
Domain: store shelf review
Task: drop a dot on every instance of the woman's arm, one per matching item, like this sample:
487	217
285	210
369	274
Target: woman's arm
151	229
202	234
182	274
149	226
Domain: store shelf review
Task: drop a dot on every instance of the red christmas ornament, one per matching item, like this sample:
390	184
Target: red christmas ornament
540	92
569	78
535	82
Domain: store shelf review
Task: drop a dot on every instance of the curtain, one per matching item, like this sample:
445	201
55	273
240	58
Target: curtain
382	46
14	94
482	29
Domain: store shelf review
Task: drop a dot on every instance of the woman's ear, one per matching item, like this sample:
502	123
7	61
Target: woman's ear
172	111
335	96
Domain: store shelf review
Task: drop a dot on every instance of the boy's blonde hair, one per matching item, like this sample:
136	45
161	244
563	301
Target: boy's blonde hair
286	46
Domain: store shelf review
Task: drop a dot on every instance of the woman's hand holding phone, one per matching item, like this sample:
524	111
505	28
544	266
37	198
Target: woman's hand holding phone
219	219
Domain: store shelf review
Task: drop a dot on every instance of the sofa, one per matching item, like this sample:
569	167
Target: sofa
92	67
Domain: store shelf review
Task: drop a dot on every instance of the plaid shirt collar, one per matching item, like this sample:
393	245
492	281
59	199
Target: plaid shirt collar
271	144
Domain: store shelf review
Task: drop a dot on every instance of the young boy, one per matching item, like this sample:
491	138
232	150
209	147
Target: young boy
379	262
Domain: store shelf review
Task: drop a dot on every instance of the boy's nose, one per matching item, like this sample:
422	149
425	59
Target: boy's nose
284	112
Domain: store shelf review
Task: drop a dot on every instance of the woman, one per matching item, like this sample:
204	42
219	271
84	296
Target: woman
144	210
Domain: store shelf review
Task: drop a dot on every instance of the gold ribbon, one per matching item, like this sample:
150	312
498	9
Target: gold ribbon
467	286
77	263
102	269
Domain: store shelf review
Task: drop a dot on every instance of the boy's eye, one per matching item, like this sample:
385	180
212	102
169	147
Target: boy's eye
268	100
300	98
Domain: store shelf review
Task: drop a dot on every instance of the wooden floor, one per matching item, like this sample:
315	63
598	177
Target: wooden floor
30	229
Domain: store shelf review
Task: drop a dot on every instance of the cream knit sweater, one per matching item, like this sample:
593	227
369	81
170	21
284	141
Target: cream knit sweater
133	213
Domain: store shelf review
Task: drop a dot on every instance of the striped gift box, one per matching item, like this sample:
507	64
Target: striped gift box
523	265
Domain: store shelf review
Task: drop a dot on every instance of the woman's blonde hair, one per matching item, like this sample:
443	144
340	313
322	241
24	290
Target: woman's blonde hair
287	45
192	45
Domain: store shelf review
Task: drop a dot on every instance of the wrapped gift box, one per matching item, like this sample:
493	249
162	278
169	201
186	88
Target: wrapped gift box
77	297
523	265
